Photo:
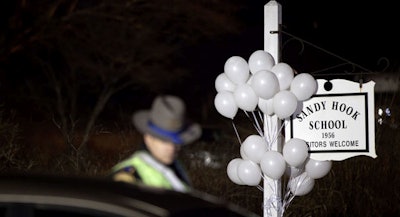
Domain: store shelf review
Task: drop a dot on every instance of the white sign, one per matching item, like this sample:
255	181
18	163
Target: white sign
338	122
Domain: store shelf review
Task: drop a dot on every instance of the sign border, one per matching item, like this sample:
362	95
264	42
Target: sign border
365	90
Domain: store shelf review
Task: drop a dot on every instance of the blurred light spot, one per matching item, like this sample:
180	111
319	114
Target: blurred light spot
380	112
387	111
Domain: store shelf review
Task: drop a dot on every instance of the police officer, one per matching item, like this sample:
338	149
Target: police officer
165	130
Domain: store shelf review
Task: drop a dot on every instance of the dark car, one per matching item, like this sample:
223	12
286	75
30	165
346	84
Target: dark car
43	196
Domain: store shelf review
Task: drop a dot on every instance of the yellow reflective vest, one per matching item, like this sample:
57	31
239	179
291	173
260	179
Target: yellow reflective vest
151	172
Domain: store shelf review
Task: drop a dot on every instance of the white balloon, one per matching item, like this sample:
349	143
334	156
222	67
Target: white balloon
299	108
301	185
295	152
285	74
285	104
222	82
265	84
232	169
249	173
317	169
266	106
250	80
245	97
292	172
254	146
237	69
273	164
303	86
225	104
260	60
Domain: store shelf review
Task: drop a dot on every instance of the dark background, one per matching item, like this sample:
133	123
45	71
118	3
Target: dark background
72	73
321	38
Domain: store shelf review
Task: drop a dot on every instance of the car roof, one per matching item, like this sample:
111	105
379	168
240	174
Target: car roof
106	195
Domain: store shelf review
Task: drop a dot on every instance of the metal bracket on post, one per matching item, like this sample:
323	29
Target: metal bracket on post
272	188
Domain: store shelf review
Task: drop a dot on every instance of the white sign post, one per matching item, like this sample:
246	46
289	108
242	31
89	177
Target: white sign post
338	122
272	188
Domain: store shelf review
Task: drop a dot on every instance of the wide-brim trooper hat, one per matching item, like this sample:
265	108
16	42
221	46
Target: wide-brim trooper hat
167	120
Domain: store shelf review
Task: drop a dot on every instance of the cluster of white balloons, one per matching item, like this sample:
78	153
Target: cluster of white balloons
257	161
273	88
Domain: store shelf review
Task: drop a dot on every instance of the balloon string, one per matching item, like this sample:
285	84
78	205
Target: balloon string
268	131
288	199
278	132
261	119
261	116
254	121
273	202
236	132
273	133
257	125
289	196
291	193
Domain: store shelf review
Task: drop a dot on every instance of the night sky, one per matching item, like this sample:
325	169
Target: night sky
357	32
